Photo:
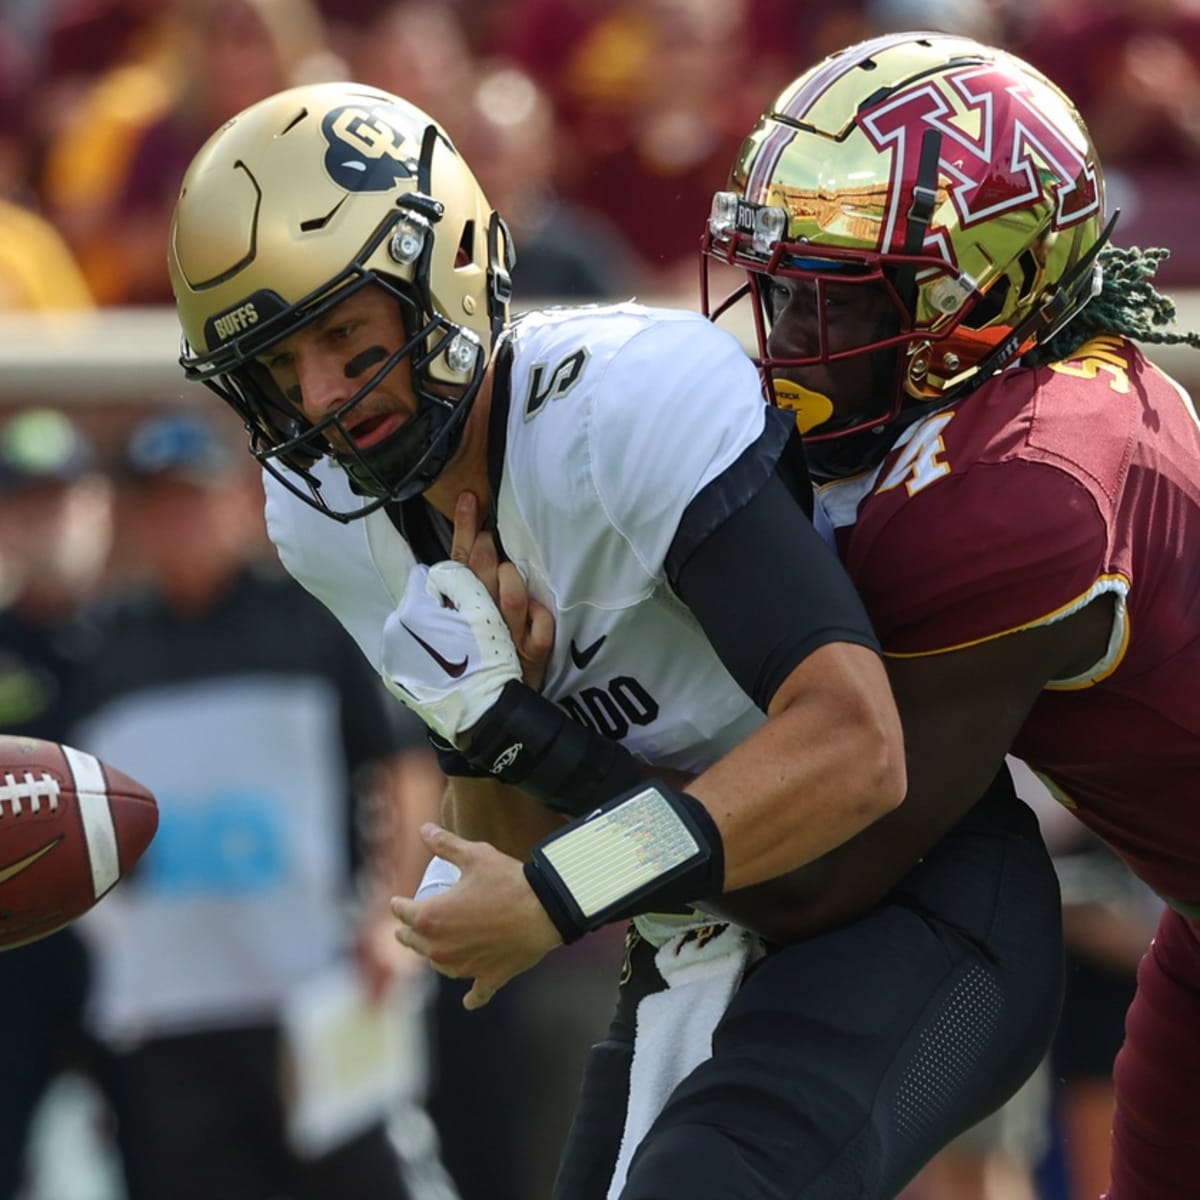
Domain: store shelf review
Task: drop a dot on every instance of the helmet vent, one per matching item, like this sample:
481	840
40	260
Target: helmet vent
300	116
315	223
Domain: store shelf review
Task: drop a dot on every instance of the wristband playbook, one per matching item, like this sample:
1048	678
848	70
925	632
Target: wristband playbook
649	849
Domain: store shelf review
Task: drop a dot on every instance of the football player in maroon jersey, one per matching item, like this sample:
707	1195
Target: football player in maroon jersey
1014	485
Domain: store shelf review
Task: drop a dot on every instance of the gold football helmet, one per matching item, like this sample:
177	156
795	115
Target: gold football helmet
949	175
303	199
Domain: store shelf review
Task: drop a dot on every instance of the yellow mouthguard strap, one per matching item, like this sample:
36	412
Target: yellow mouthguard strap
811	408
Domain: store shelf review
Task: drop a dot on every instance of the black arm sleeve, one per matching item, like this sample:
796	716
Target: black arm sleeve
765	588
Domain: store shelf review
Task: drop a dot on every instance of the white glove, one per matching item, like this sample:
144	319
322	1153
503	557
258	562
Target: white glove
447	653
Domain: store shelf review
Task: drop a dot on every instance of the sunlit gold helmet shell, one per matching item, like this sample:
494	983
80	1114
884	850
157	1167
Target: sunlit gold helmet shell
260	211
1018	200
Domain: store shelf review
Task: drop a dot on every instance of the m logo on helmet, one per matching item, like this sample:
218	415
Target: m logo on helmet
1000	153
367	152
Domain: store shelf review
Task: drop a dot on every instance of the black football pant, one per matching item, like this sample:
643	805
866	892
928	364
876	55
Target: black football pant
845	1062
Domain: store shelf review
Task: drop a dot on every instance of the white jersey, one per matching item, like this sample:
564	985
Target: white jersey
616	417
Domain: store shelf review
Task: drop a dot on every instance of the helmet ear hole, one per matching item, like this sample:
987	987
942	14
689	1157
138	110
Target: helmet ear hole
465	255
990	307
1030	271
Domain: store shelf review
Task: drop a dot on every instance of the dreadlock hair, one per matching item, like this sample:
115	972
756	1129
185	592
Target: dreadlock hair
1128	304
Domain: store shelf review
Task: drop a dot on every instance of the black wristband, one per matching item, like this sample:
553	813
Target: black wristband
452	760
648	850
526	740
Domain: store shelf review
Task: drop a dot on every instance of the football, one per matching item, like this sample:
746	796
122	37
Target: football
70	828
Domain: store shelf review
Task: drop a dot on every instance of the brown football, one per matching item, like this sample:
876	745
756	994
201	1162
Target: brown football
70	828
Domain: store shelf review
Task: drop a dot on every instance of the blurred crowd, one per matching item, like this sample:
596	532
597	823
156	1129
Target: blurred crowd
236	1019
599	128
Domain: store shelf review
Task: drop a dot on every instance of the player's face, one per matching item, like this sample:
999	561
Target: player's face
320	367
817	321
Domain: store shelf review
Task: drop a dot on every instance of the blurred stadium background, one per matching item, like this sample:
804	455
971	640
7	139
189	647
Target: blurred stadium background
600	129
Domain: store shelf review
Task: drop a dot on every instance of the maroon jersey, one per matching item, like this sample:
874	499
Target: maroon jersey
1018	505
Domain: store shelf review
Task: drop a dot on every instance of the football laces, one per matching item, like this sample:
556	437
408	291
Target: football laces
31	789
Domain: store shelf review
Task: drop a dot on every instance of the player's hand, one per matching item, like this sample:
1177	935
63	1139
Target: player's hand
447	652
530	624
488	927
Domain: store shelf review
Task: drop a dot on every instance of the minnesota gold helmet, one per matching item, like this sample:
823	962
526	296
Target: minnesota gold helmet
295	204
950	176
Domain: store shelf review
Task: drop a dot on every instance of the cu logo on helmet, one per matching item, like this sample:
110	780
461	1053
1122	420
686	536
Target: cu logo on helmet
999	149
367	152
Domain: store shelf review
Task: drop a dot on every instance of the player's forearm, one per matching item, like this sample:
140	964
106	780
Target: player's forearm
857	875
828	763
484	810
834	890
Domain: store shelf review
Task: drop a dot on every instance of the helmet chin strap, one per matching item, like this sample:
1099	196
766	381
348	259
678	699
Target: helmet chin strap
920	213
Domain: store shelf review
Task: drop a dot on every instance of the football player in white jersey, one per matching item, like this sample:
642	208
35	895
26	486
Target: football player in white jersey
661	608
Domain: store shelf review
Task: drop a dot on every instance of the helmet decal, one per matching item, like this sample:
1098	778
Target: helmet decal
367	152
243	317
999	151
